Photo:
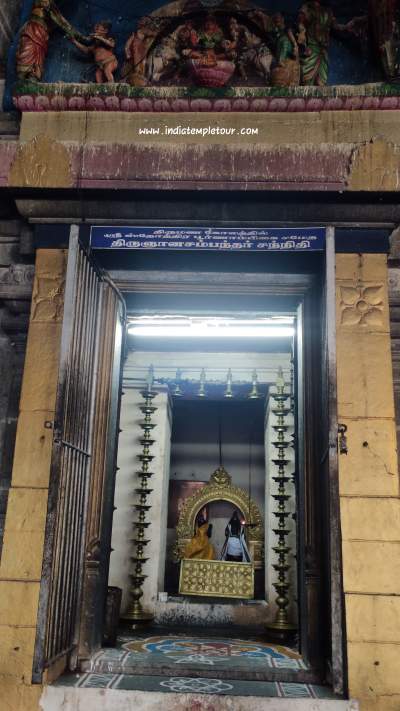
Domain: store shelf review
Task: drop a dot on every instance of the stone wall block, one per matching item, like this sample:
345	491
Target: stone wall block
381	703
38	385
373	670
361	267
373	618
365	381
31	466
16	652
369	469
375	166
18	603
327	127
54	124
22	555
18	696
26	510
370	518
371	567
51	262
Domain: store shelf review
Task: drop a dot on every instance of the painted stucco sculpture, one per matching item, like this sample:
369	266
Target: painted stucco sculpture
184	51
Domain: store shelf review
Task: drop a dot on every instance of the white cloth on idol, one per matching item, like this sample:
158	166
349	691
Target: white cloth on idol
235	546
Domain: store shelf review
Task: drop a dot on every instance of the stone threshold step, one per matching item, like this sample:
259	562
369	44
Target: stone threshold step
59	698
243	672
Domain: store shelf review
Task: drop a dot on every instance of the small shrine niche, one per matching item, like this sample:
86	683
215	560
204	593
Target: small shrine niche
120	56
200	488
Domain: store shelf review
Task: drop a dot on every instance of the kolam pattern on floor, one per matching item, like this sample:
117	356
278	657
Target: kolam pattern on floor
195	663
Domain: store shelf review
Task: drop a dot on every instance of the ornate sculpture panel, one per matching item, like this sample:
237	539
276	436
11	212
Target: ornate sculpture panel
216	578
220	488
192	46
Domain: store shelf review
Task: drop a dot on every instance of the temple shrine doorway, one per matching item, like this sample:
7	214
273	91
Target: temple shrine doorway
296	382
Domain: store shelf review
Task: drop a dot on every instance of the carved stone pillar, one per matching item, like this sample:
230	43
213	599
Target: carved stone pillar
368	475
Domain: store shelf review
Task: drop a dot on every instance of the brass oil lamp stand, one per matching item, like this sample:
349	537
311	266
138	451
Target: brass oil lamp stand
281	628
135	613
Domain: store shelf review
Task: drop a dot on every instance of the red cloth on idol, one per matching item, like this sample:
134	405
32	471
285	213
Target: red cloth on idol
32	49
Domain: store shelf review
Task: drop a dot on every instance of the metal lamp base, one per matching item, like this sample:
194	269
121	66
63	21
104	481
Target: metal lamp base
137	618
281	632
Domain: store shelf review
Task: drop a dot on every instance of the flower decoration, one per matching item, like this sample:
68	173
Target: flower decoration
361	305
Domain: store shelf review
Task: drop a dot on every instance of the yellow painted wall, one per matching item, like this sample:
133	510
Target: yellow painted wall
21	561
369	482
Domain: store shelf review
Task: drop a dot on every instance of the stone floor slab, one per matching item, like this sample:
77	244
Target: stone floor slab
67	698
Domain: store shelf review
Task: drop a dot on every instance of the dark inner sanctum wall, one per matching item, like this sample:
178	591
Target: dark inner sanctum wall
195	456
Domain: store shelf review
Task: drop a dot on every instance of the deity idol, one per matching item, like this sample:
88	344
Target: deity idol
287	69
200	546
101	47
235	547
137	51
208	60
34	38
248	50
318	22
208	42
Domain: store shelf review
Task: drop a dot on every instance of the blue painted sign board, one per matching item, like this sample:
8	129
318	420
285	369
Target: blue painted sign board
220	239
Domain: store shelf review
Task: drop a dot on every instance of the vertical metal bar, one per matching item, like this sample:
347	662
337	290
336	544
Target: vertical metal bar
300	439
336	583
64	580
73	543
82	345
69	420
79	333
62	583
89	355
78	552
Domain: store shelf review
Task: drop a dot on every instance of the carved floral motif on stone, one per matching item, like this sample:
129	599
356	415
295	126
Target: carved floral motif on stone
361	305
47	299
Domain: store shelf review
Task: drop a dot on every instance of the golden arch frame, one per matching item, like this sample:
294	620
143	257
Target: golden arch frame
220	488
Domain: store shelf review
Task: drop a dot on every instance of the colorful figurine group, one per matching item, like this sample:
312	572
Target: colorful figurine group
203	49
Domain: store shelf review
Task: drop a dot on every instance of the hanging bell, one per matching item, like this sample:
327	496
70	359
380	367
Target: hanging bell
228	390
254	394
177	392
202	389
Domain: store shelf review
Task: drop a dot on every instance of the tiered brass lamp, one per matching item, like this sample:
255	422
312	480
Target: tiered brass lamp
281	627
135	612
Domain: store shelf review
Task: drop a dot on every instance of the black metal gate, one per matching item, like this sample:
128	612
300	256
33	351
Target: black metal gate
86	296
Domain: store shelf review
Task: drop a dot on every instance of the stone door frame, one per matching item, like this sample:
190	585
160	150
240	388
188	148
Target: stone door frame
287	284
